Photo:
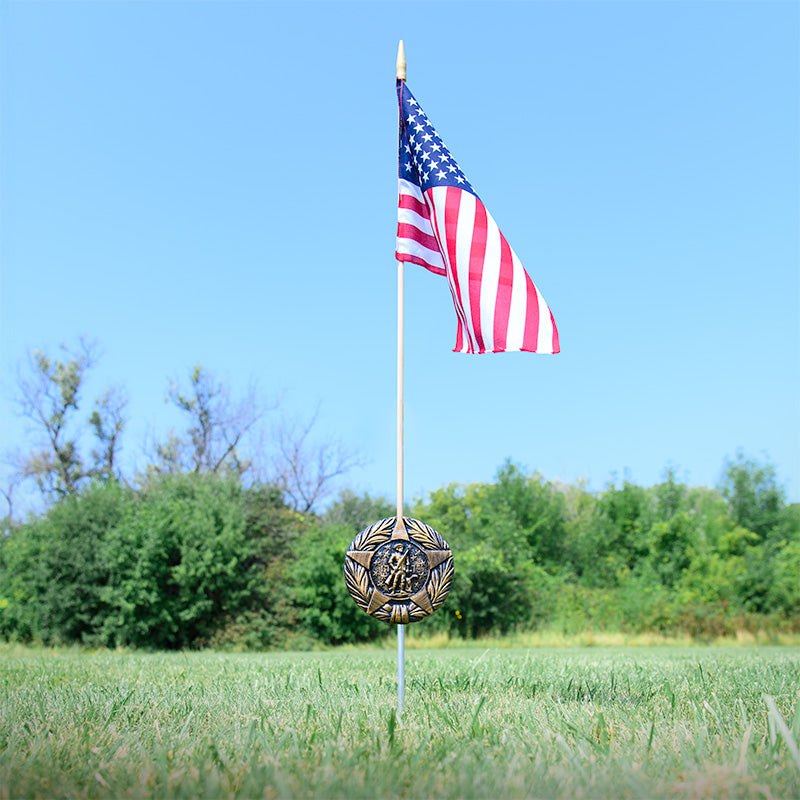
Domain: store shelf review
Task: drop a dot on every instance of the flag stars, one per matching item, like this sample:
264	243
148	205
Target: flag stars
431	163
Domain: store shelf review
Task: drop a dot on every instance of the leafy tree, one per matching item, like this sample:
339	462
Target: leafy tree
356	512
673	533
755	500
531	511
272	527
769	585
783	595
199	558
269	618
578	512
217	428
449	511
226	437
179	563
492	592
671	543
107	424
50	397
671	497
502	534
618	534
325	608
55	570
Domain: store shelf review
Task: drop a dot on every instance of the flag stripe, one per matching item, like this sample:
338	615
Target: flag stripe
463	234
450	207
412	203
416	239
491	275
555	345
505	291
409	217
519	303
423	259
531	330
477	261
437	199
415	234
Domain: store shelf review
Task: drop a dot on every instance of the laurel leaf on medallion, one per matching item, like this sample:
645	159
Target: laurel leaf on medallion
374	535
355	576
424	535
439	584
357	580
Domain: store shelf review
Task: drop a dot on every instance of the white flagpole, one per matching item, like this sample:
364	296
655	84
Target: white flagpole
400	628
401	666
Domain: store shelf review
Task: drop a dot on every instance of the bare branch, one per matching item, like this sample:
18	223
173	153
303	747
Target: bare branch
217	427
108	422
305	471
7	490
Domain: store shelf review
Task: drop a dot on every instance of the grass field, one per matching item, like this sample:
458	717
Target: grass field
484	722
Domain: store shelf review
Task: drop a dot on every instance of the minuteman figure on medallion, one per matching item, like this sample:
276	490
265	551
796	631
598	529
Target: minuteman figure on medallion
398	573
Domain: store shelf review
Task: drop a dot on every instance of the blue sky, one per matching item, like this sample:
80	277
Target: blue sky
215	183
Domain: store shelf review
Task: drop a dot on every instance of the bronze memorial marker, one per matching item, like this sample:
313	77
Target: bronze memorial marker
398	573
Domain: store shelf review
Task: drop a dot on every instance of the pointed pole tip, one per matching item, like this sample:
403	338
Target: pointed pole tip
401	62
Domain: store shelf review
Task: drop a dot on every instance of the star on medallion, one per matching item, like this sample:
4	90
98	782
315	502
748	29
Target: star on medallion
406	543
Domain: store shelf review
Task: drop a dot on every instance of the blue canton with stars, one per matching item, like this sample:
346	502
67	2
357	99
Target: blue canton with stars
424	159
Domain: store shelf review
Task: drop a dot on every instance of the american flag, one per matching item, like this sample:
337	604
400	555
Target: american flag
443	226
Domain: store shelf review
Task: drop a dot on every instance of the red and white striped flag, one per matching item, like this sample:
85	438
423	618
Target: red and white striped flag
443	226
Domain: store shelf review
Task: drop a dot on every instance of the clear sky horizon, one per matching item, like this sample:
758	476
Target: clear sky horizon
215	183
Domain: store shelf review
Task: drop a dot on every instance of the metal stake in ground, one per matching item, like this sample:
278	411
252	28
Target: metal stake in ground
399	570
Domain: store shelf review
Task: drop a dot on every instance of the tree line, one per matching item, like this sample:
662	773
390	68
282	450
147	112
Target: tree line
205	550
221	435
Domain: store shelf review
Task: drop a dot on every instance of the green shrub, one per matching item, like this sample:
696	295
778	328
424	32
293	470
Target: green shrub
179	563
491	593
324	606
55	569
